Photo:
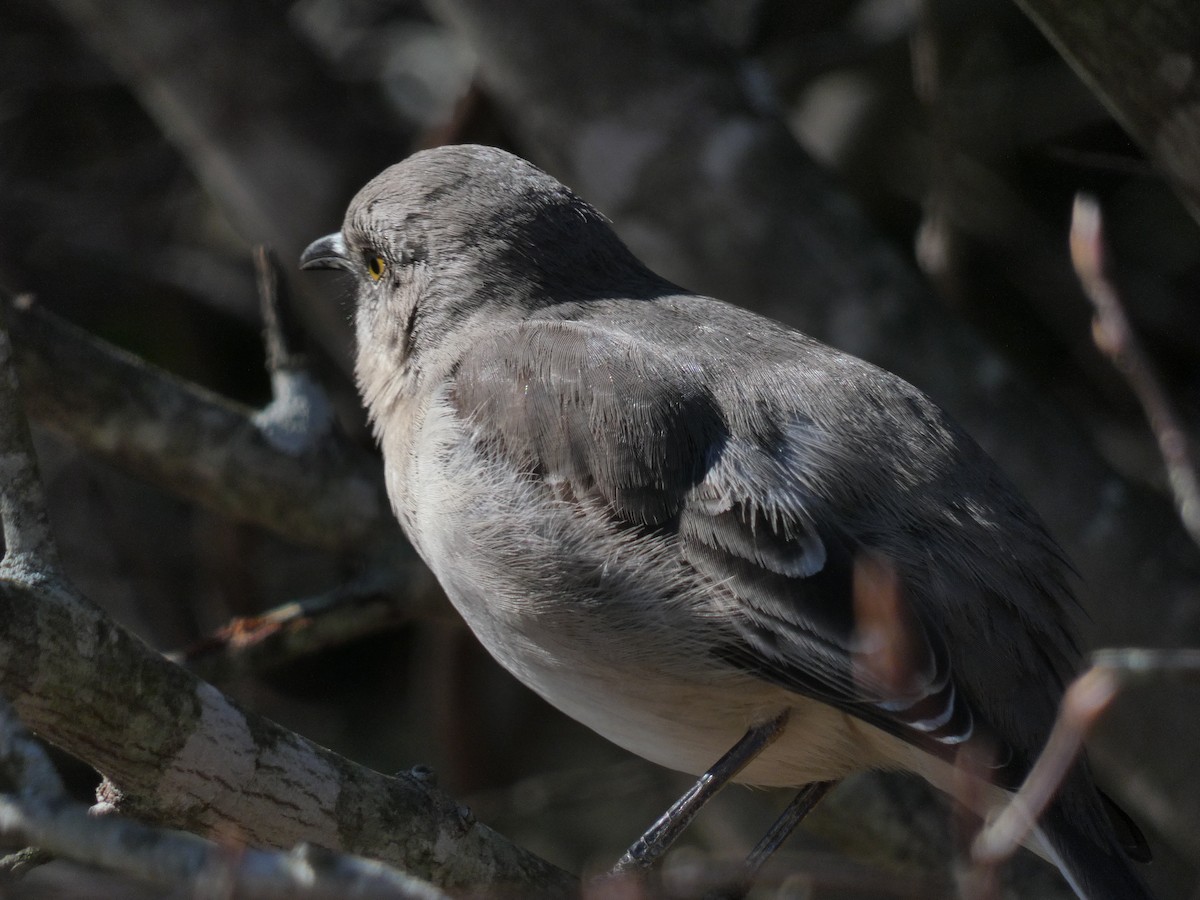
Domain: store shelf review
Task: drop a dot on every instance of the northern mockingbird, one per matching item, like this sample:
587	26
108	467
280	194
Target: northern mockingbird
681	522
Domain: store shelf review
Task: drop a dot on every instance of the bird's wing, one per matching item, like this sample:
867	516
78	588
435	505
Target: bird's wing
816	609
627	422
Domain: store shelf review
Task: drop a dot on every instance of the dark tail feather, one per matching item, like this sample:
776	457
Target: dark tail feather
1097	869
1128	834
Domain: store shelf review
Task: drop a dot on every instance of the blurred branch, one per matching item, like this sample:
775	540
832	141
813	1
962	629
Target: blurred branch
299	418
1085	701
178	752
194	443
1115	338
247	103
36	808
24	861
1141	60
281	333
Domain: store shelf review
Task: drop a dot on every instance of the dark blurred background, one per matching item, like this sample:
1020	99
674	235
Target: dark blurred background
146	148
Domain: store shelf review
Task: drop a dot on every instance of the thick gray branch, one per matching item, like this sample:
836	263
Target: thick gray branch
39	811
174	749
177	751
196	444
182	754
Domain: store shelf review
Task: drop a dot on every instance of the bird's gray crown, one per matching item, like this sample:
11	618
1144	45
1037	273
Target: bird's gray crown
483	209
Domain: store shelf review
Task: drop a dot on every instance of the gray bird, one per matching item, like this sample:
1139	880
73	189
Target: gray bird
677	520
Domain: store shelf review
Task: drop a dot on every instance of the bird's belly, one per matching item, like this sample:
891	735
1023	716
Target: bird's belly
685	724
689	727
610	634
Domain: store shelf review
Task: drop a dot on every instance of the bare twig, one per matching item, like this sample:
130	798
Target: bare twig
280	332
937	240
39	810
299	418
1115	338
182	754
1085	701
29	548
973	776
886	639
303	627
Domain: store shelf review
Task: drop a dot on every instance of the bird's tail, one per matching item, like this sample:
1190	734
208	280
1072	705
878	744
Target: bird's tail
1093	861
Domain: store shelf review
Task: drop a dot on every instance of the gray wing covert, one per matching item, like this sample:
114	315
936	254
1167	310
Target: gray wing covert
600	412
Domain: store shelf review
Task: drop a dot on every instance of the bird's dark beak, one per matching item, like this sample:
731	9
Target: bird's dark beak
328	252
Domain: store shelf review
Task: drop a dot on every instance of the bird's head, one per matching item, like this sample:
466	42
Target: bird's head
462	235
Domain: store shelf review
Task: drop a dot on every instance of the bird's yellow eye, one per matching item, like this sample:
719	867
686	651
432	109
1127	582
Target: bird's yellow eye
375	268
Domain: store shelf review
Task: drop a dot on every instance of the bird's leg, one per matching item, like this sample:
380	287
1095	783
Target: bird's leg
647	849
802	804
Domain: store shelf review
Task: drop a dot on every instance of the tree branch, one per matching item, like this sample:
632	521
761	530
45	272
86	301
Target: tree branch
363	607
1115	338
38	810
1085	702
197	444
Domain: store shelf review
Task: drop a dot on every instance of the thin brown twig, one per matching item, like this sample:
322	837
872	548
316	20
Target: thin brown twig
1083	704
973	774
1115	338
382	599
